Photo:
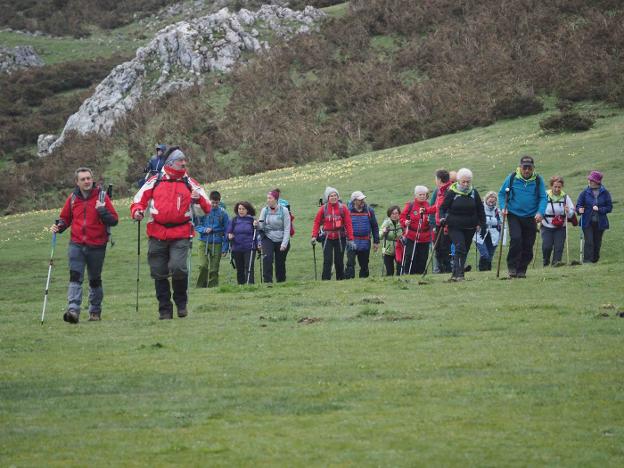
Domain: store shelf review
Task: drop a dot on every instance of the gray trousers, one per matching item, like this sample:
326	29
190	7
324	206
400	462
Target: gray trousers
552	238
93	258
168	258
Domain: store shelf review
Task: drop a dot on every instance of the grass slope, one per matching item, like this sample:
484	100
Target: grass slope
393	372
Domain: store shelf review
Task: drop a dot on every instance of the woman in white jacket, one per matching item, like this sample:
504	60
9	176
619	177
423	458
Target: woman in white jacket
553	228
487	239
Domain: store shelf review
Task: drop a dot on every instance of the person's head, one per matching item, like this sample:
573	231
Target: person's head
527	166
331	195
453	176
278	191
160	150
491	198
421	192
215	198
464	178
272	198
244	208
556	184
176	159
83	176
357	198
594	179
441	177
394	213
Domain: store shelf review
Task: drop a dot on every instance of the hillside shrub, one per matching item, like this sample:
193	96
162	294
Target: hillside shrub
569	121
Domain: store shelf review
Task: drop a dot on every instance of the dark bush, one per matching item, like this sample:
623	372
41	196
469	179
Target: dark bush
570	121
517	106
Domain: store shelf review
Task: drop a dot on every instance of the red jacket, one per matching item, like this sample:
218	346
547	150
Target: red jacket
169	202
440	198
88	224
412	210
336	221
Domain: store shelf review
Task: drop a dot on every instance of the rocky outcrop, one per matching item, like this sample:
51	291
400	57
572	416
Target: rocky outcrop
15	58
180	56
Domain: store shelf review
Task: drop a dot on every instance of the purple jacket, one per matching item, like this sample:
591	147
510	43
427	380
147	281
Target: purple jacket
243	230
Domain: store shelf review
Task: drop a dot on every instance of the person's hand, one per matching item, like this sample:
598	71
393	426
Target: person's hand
230	236
538	218
207	230
99	204
505	211
375	247
478	228
195	194
442	221
255	223
385	230
595	208
54	228
139	215
283	248
581	210
313	241
407	222
352	246
421	211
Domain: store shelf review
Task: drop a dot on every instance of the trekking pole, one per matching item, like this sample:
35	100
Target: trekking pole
383	249
536	245
251	255
414	244
109	192
582	239
502	237
138	263
435	244
45	296
567	243
314	256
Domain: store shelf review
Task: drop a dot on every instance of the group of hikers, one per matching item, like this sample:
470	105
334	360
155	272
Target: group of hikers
446	223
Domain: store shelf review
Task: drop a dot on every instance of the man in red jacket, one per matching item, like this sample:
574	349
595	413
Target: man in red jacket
170	196
89	211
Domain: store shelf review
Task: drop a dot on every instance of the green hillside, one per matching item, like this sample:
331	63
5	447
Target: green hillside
382	371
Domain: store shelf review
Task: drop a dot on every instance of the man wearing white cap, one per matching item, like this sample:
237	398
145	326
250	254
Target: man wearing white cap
364	223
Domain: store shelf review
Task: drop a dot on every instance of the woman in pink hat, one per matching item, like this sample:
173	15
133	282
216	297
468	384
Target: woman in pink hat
593	204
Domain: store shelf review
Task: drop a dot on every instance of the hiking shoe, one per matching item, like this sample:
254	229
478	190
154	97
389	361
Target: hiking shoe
558	264
93	317
513	274
165	314
182	312
521	274
71	316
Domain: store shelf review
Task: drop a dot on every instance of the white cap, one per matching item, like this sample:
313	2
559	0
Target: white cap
357	195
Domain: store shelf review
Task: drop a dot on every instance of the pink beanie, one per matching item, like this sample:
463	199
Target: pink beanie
595	176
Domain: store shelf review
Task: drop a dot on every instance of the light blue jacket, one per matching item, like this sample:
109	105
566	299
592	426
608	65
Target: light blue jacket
525	200
217	220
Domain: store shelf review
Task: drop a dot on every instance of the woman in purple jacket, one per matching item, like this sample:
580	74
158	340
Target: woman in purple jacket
593	204
241	231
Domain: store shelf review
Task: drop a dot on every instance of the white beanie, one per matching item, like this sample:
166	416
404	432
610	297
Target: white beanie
328	192
420	189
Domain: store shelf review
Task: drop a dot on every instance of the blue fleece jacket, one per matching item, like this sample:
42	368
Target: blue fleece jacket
242	228
217	220
523	201
364	223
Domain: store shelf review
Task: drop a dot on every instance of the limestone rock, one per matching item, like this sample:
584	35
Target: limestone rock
15	58
43	144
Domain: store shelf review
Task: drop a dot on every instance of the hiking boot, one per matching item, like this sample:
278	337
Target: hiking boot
94	317
165	312
521	274
71	316
182	312
558	264
513	274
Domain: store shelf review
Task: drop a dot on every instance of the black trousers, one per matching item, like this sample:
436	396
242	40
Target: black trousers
522	233
271	250
333	252
443	251
462	240
415	261
243	270
391	265
363	257
593	242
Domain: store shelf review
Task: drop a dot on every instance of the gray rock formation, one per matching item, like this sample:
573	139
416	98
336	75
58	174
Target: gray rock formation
15	58
43	144
180	55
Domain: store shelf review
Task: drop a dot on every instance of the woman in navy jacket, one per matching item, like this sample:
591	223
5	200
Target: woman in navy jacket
240	232
593	204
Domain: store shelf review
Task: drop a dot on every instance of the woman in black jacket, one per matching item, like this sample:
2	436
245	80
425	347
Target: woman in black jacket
462	211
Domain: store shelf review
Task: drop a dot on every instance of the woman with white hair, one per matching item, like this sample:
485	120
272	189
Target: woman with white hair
462	211
415	220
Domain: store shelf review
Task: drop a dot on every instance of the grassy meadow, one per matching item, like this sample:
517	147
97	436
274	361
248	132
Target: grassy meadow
381	371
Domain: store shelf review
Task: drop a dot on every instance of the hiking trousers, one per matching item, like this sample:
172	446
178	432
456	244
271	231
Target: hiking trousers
391	265
169	258
552	238
333	251
522	233
486	253
209	267
462	239
272	251
419	262
81	256
443	251
244	272
593	241
363	257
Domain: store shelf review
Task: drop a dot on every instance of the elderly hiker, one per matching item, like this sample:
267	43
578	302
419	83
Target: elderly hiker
333	229
89	211
553	228
213	242
418	232
463	212
173	199
594	203
274	229
364	224
524	204
488	239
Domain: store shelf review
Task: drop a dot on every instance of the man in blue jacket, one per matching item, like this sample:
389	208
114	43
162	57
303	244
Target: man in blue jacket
213	243
154	165
364	223
525	208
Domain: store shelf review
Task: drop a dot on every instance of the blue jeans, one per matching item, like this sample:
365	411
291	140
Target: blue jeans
93	258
